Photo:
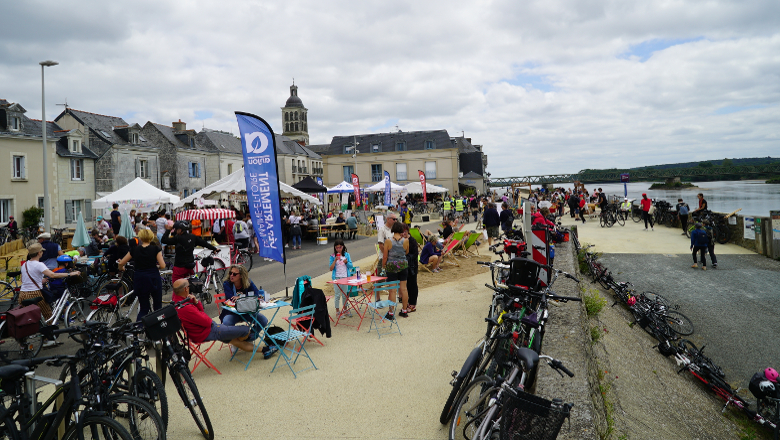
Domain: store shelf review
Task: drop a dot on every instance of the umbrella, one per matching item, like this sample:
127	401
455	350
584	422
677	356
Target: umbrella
380	187
416	188
127	228
343	187
310	186
81	237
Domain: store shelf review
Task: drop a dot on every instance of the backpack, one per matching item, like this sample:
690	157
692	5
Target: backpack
684	209
239	228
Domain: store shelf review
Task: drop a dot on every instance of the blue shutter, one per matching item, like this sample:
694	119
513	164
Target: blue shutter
69	211
87	210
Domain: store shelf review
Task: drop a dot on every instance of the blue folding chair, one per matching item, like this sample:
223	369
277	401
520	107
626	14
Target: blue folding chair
377	313
296	337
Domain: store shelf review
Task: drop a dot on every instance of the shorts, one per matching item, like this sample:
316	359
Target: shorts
398	276
226	333
492	231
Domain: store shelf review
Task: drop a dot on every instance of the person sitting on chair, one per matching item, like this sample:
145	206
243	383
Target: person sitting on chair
199	326
237	283
430	255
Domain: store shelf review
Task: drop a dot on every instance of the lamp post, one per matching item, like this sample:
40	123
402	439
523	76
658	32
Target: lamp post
46	200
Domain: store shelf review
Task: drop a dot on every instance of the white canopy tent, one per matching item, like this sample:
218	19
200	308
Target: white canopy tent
236	183
343	187
416	188
380	187
139	195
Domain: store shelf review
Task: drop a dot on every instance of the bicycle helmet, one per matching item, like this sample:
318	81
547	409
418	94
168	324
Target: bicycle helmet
631	301
771	374
182	224
64	259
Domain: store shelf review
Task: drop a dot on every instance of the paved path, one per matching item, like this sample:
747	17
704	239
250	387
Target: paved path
733	308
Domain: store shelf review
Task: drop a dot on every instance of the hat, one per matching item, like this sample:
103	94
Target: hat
34	248
100	217
644	194
11	217
45	235
625	198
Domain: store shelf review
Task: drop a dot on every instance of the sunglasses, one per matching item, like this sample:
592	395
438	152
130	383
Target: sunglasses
235	273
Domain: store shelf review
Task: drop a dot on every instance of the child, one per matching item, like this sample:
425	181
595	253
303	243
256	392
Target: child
57	286
340	267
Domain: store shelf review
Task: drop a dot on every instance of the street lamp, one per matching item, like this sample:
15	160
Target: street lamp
354	153
46	200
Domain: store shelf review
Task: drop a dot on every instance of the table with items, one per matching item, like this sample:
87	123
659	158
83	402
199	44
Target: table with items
357	298
255	325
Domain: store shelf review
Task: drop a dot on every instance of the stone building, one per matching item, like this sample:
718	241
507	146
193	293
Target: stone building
186	164
294	118
295	161
226	146
123	153
70	173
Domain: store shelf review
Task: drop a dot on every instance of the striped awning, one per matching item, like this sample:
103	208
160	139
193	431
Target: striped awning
205	214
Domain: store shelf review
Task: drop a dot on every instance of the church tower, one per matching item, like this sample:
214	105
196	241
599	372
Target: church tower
294	119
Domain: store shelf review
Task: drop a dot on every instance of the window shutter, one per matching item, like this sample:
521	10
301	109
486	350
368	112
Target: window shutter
88	210
136	167
68	211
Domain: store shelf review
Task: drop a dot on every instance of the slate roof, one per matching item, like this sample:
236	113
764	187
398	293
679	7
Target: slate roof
111	129
219	141
318	148
285	145
471	175
176	139
471	162
464	145
415	141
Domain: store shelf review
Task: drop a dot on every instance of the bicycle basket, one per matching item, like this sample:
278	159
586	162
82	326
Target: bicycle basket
196	286
161	323
76	280
524	272
206	262
529	417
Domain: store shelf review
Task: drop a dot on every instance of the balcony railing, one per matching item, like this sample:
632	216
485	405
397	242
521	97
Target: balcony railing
295	169
377	177
305	170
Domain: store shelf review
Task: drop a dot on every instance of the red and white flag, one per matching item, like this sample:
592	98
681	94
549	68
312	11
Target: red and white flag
422	183
356	185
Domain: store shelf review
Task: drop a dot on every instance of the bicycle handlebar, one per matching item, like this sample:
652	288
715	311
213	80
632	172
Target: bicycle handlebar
557	365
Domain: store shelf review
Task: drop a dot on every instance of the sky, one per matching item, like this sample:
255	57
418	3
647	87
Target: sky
547	87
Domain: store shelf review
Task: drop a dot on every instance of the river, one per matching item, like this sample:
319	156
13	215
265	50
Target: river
755	197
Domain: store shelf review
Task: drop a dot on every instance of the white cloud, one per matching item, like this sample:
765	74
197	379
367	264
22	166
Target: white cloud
545	86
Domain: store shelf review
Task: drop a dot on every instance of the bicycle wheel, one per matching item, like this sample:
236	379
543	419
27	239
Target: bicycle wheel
679	323
470	410
137	416
98	428
189	395
22	348
146	385
723	234
610	219
656	298
458	386
244	258
636	215
106	314
620	218
602	220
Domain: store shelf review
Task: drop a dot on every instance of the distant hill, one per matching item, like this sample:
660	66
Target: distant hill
716	162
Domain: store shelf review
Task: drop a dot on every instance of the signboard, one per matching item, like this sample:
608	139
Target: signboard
237	197
424	186
624	178
356	185
750	225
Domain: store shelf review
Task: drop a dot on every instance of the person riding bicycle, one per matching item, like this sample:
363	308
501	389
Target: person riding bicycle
179	235
602	201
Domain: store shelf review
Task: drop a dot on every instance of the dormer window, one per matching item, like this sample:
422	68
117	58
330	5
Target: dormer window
400	146
75	146
375	148
430	145
133	138
16	123
192	143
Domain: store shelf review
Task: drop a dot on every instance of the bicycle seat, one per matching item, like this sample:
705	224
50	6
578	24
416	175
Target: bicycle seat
113	287
13	274
166	272
31	301
12	372
528	357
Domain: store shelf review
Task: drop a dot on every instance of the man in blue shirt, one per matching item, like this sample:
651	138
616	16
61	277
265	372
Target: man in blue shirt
491	220
352	226
51	251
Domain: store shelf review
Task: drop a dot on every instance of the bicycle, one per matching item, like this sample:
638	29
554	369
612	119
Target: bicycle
480	412
107	308
5	235
23	417
173	357
211	277
241	256
56	237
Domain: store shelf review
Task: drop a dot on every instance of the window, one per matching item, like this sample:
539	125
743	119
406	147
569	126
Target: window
167	182
375	148
376	173
186	193
429	145
192	143
19	167
133	138
16	123
5	209
400	171
143	169
40	202
286	116
77	169
400	146
194	168
230	168
430	170
73	207
348	173
75	146
296	126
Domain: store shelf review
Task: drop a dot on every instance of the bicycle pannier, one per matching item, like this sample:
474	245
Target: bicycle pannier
196	286
24	321
161	323
247	304
107	299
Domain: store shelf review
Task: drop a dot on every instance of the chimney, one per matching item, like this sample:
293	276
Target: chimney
179	126
301	143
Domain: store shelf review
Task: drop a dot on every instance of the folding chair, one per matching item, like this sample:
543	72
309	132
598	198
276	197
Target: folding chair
465	249
377	316
297	337
417	235
379	253
198	354
424	266
219	299
448	256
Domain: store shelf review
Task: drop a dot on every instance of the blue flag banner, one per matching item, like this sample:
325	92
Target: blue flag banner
387	189
262	184
320	196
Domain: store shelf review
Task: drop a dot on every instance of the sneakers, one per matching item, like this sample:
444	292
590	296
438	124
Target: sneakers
651	228
287	245
695	266
232	349
704	268
49	343
683	233
270	352
390	316
715	266
404	314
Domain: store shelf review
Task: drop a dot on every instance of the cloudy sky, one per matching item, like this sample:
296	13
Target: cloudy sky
550	86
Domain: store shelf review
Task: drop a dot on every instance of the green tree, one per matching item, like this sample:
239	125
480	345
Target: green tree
31	217
727	163
705	164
